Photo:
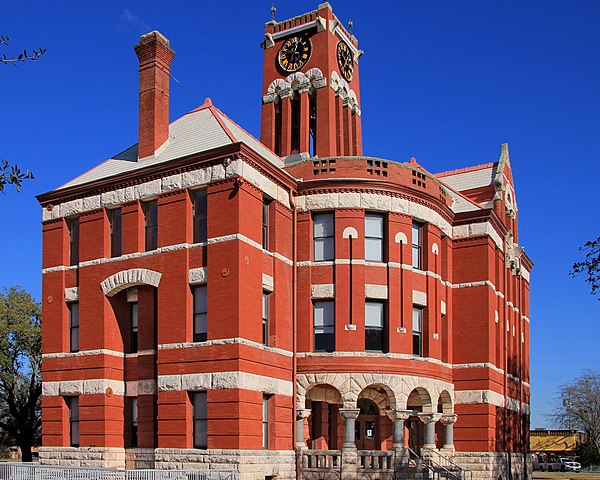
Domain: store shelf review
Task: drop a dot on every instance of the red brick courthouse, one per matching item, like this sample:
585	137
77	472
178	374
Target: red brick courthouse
214	300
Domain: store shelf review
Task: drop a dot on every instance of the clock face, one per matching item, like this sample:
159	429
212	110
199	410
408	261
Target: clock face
345	61
294	53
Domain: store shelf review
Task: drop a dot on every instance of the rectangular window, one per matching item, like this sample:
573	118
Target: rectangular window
73	241
417	328
151	224
374	237
265	318
323	236
417	244
200	314
374	321
133	426
199	209
73	406
265	223
324	320
114	218
133	327
265	421
200	421
73	326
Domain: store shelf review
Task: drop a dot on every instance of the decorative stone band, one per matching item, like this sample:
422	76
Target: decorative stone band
224	380
129	278
475	397
170	248
225	341
140	387
71	294
193	178
387	203
326	290
84	353
197	276
83	387
397	388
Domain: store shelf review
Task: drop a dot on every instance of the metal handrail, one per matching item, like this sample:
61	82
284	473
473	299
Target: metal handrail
450	470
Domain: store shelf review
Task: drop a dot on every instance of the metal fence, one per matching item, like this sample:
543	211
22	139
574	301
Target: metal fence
26	471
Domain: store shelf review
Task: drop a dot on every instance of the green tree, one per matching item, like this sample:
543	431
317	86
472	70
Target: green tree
11	174
20	369
590	266
579	407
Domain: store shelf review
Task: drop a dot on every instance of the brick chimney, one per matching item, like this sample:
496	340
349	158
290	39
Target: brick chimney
155	56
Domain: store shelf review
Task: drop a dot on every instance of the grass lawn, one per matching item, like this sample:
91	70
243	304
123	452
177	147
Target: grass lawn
568	475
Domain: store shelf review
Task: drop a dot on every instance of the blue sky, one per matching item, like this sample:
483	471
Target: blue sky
444	81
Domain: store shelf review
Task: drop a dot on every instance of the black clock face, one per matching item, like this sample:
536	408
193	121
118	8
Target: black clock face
345	61
294	53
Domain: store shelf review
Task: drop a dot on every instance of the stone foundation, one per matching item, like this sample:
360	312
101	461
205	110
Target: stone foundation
495	465
83	457
250	464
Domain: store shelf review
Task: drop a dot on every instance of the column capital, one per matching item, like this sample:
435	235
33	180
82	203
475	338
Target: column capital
301	414
429	417
399	414
349	413
448	419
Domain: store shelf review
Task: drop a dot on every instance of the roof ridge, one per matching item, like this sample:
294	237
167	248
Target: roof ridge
465	169
460	194
246	132
217	114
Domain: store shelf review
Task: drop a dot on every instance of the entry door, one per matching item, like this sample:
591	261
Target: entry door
416	434
366	432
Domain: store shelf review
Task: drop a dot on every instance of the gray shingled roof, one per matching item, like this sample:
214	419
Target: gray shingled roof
198	131
469	179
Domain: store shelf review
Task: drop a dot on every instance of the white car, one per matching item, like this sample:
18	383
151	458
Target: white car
568	465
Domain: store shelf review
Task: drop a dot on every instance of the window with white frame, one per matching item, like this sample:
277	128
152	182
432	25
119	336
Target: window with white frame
133	327
374	231
417	328
265	421
374	326
200	327
324	321
133	421
417	245
265	318
323	237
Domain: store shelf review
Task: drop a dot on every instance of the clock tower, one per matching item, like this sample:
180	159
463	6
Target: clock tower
311	98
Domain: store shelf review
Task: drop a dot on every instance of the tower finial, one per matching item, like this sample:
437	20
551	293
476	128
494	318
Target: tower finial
273	11
350	25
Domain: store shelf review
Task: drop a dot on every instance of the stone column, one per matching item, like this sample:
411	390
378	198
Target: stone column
349	453
300	416
349	415
398	417
448	420
429	420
